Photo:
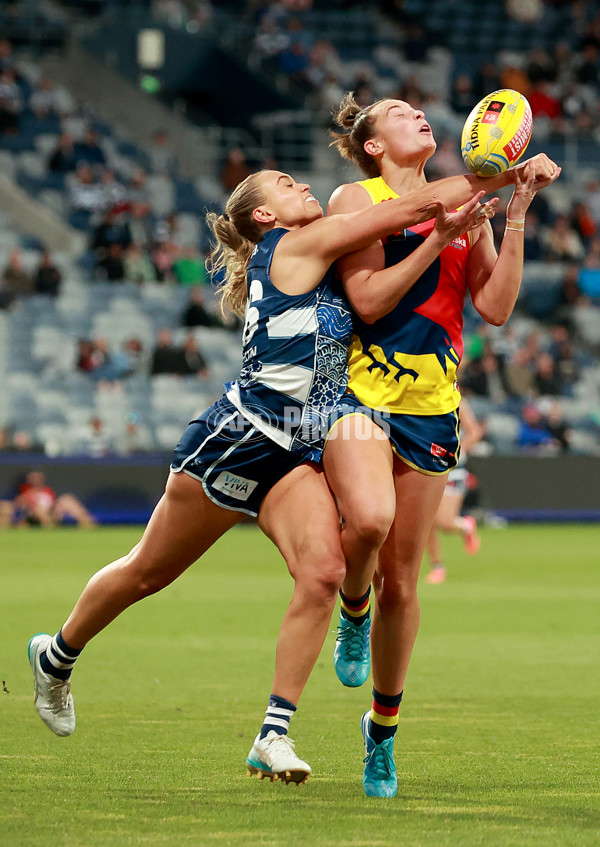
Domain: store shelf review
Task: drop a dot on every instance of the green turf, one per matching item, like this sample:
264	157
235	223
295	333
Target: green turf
498	740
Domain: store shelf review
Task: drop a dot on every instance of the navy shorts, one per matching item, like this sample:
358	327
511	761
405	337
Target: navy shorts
236	464
428	443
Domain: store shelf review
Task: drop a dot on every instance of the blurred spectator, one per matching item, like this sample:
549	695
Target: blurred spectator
6	55
20	441
324	64
526	11
556	424
136	356
192	362
62	160
410	91
587	65
188	267
141	225
235	169
482	376
196	314
520	367
11	103
593	199
514	76
363	93
562	242
111	266
180	361
543	101
540	66
137	190
270	40
446	161
38	505
138	266
532	247
114	365
416	43
589	275
545	378
163	256
294	59
486	80
169	230
50	99
134	437
113	229
47	277
88	150
165	357
6	513
162	158
94	440
16	281
563	353
114	194
583	223
86	358
86	194
570	293
533	431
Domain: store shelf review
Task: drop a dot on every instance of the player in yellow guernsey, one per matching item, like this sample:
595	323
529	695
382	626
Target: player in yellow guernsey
407	291
406	361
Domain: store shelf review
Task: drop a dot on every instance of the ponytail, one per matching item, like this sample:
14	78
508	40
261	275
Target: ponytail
236	233
356	127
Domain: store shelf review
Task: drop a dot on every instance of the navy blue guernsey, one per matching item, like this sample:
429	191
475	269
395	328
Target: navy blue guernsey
295	350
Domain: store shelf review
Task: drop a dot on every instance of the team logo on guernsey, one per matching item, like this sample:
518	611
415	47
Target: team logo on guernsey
237	487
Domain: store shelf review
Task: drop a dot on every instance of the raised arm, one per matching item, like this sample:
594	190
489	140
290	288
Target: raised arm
494	280
373	289
303	256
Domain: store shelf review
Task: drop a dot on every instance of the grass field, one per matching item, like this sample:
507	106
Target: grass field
498	742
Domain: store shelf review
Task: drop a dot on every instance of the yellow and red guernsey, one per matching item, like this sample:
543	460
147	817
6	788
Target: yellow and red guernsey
407	360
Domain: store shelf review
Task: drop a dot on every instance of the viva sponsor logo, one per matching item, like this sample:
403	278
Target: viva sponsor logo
237	487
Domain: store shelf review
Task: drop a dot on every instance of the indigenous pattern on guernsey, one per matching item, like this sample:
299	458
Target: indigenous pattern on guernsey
295	355
407	360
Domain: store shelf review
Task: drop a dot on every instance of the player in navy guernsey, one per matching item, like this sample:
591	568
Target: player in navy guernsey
255	451
295	350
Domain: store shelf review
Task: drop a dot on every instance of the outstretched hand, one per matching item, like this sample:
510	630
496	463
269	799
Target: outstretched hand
546	171
527	187
450	225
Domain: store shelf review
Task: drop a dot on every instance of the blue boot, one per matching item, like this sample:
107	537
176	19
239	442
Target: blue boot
352	654
379	777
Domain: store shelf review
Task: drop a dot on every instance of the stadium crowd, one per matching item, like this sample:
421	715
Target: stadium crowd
534	382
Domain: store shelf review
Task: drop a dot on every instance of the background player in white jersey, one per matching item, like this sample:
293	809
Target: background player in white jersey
232	461
448	518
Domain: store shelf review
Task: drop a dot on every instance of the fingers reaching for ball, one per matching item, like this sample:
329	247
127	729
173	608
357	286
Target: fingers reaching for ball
546	171
450	225
530	178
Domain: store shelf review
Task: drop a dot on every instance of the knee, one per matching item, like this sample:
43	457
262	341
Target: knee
323	579
371	523
396	593
143	579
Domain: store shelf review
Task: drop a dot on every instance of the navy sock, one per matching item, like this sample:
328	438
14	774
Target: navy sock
59	659
278	715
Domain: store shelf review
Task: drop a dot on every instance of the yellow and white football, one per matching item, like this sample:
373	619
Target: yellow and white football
496	133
